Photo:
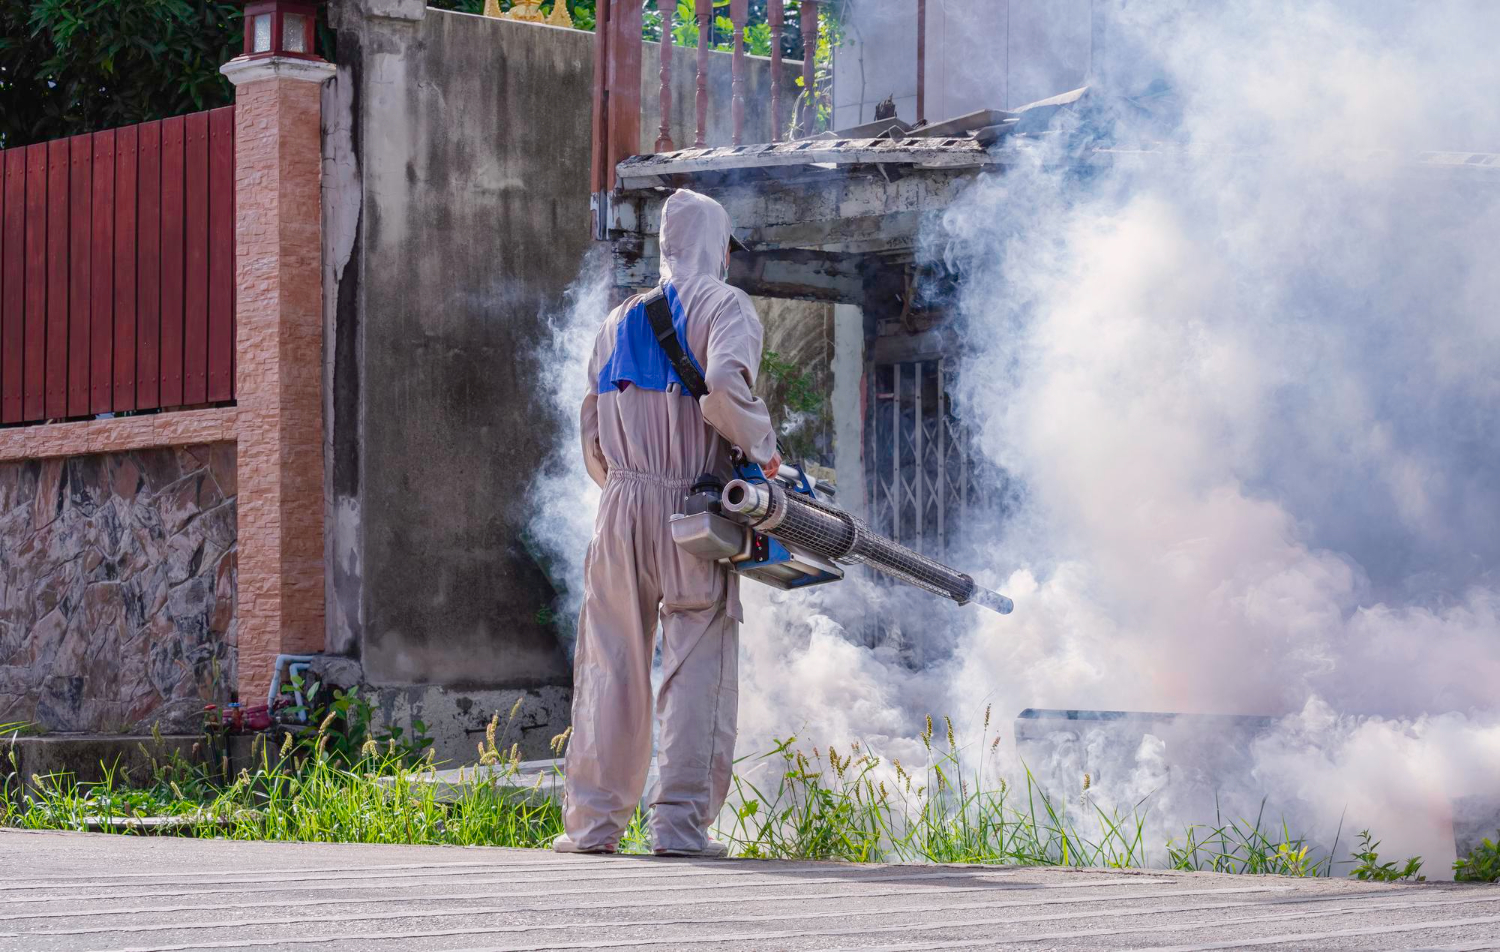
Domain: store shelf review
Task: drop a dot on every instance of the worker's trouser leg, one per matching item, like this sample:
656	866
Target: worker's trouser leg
610	750
632	567
697	706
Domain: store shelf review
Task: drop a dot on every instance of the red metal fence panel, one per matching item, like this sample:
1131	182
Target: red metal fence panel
80	180
195	265
117	270
221	255
12	285
172	227
122	374
57	278
102	291
36	283
148	268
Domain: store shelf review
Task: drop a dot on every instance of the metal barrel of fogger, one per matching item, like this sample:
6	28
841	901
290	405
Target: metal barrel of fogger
835	534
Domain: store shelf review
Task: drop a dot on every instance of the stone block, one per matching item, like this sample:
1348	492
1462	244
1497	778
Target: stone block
85	758
110	621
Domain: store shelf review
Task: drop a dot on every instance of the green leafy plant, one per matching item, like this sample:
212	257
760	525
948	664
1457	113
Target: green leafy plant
1247	846
68	67
1370	868
1481	865
346	719
800	393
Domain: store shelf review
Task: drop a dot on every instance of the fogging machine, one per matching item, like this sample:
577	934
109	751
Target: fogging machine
778	531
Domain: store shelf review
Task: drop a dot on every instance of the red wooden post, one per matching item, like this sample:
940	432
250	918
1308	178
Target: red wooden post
921	60
221	266
739	11
80	180
809	17
705	12
776	20
13	275
38	209
102	291
664	134
148	269
625	82
172	220
195	263
599	123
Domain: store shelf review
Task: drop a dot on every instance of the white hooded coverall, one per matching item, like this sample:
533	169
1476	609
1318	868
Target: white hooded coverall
645	448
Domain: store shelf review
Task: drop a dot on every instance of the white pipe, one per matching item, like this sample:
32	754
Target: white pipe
286	659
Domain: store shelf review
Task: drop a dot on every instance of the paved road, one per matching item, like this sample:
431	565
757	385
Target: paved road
61	891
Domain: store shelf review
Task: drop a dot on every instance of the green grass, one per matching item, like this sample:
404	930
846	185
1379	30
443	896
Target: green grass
326	786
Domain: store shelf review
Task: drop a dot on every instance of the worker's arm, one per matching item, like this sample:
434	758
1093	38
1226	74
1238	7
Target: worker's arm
593	455
733	359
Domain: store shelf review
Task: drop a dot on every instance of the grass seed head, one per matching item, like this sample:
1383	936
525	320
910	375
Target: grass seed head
987	716
327	722
286	745
952	743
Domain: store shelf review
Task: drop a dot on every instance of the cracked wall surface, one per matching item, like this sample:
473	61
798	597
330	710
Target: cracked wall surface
117	588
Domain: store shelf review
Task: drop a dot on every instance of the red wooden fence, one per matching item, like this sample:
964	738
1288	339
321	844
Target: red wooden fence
117	270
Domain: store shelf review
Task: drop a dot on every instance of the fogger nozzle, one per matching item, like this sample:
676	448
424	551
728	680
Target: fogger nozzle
831	533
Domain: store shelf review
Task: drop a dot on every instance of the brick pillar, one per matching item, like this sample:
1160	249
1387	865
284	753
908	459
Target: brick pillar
279	372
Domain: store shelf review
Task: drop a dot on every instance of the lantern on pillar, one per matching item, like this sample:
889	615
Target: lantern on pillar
281	28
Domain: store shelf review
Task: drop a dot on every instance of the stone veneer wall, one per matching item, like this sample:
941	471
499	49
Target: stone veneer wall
117	588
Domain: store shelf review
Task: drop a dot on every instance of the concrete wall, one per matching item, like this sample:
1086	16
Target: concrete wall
456	213
117	589
981	54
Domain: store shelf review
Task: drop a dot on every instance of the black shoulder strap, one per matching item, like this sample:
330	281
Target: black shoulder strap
659	313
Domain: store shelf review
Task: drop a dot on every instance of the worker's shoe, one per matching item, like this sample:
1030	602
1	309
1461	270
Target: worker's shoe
565	845
712	849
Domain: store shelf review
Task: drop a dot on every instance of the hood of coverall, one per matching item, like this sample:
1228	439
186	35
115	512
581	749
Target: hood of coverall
695	233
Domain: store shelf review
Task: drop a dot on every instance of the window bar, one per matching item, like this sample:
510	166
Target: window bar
896	450
942	438
917	452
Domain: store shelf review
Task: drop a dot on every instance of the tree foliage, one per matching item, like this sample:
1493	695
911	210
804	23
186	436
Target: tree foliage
74	66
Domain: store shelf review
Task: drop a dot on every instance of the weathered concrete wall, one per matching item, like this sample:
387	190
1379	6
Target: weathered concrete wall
981	54
117	589
456	213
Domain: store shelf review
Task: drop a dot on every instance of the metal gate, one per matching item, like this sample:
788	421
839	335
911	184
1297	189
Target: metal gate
925	486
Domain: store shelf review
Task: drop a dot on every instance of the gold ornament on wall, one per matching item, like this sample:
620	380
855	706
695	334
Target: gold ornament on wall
559	15
492	8
527	10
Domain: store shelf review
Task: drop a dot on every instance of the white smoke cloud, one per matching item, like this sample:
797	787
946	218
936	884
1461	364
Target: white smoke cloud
1254	404
565	502
1249	385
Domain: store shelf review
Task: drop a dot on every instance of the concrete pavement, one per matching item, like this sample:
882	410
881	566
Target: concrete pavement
75	892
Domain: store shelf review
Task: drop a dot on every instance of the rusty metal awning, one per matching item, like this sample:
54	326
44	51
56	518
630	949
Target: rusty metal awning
648	171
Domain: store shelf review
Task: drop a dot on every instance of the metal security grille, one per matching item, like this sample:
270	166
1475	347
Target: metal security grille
924	484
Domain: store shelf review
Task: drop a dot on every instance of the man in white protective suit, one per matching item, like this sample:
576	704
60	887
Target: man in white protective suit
645	441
